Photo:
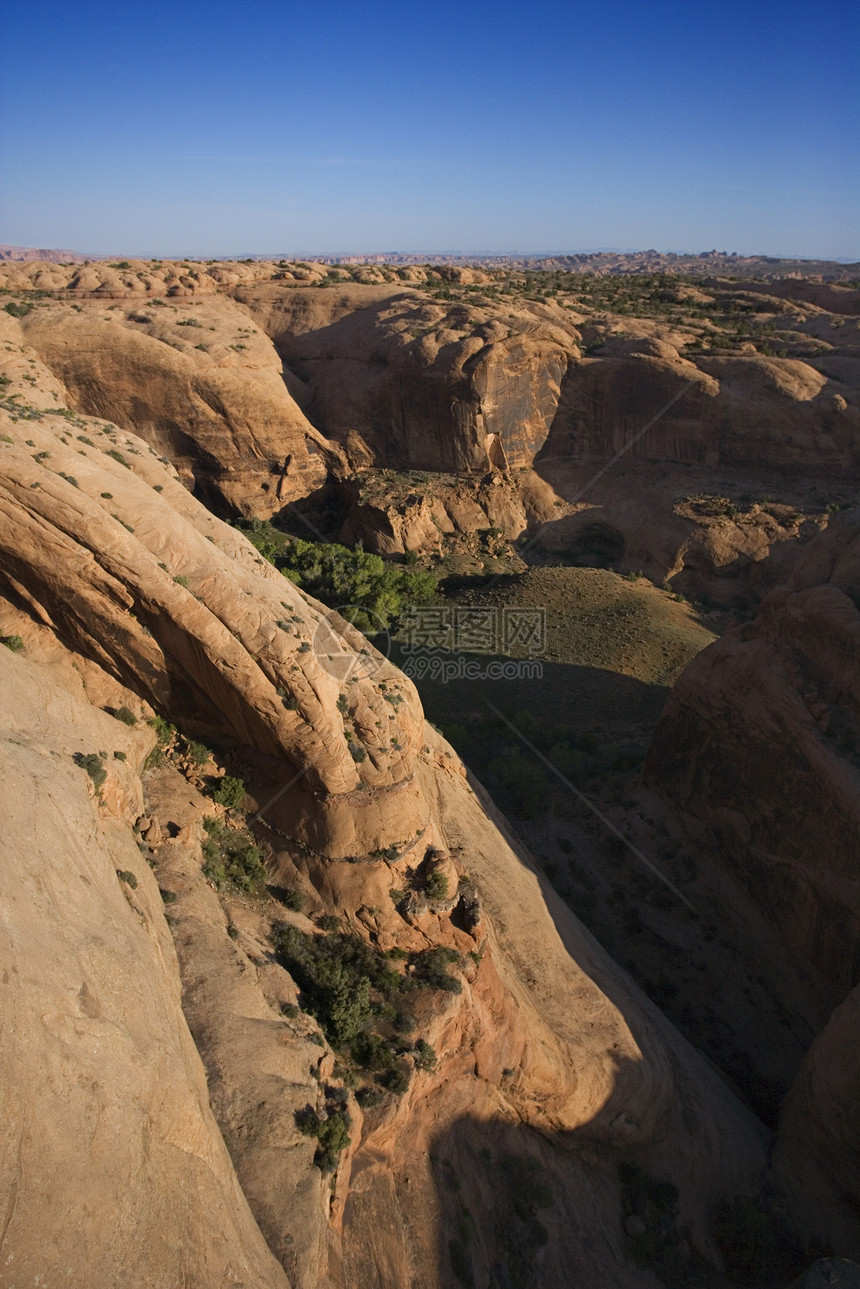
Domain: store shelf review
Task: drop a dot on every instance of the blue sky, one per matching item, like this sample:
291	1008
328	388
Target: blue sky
203	129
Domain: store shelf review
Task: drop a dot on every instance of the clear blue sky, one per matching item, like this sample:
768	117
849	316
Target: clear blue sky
156	128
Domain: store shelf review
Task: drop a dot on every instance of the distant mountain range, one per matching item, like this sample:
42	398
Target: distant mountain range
704	263
40	253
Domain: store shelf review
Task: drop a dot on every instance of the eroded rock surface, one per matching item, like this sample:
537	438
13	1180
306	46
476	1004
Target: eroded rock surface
759	745
262	387
125	591
112	1168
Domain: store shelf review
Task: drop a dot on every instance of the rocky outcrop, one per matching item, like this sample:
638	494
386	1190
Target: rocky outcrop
264	382
112	1168
264	1061
119	558
759	745
199	384
420	384
818	1145
391	515
749	413
730	546
757	757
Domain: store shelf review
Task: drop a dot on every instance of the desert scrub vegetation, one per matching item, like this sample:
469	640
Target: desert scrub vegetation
377	593
344	983
166	735
436	886
228	792
425	880
93	763
331	1129
356	996
124	714
164	730
231	857
172	744
13	642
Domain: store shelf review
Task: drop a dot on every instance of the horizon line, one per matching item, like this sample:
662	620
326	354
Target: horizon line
426	256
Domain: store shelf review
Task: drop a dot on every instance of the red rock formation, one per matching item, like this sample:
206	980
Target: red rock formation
759	744
817	1152
111	579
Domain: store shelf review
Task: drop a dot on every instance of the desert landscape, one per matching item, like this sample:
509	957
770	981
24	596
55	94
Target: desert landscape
431	742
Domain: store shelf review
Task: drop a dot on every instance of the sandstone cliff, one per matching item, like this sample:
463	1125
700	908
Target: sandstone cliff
759	744
758	756
112	1168
264	389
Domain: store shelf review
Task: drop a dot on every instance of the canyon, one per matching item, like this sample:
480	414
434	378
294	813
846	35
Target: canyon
181	1106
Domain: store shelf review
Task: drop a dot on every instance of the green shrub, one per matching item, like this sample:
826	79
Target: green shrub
230	857
331	1132
373	1052
124	714
523	780
397	1080
436	885
128	877
181	580
377	592
15	643
425	1056
430	970
155	758
18	309
344	983
118	456
198	753
368	1096
93	763
291	899
164	731
403	1022
229	792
